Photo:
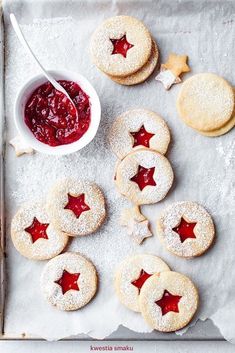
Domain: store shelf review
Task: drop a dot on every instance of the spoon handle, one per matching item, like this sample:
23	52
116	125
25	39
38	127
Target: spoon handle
23	41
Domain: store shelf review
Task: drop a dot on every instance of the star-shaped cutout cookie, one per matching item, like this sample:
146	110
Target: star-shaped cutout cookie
21	147
168	302
68	281
130	214
77	204
177	64
139	231
167	78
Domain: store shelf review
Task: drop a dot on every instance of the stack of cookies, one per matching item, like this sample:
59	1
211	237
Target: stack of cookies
123	48
166	299
206	103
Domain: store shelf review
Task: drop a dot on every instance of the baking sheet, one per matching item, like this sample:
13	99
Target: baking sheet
203	167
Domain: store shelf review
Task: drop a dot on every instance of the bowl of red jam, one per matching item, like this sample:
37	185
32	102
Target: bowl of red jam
48	121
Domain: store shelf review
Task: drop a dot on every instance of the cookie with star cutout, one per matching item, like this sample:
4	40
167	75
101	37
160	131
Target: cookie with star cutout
144	176
186	229
76	207
120	46
69	281
144	72
168	301
138	128
206	103
34	235
132	274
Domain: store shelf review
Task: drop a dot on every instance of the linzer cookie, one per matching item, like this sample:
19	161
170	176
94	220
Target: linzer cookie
144	176
121	46
206	103
132	274
76	207
69	281
186	229
33	234
168	301
136	129
144	72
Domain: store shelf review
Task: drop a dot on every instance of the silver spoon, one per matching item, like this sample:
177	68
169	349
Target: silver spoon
23	41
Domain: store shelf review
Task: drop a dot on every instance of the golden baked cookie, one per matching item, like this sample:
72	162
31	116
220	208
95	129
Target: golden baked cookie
138	128
144	176
76	207
168	301
132	274
206	102
69	281
33	234
143	73
120	46
186	229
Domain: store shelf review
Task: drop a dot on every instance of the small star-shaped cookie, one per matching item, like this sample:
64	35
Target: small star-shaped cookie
167	78
177	64
139	231
130	214
20	146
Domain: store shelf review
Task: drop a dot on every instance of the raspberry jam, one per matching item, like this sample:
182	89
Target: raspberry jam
140	281
52	118
141	137
68	281
121	46
168	302
77	204
144	177
37	230
185	230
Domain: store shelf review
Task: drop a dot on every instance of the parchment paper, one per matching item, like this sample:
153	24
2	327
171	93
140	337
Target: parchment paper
204	167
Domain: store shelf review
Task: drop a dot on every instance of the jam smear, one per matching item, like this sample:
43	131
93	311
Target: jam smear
141	279
185	230
144	177
121	46
169	302
68	281
141	137
77	204
37	230
52	118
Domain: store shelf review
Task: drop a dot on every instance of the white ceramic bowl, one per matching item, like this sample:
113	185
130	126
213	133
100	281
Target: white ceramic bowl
27	135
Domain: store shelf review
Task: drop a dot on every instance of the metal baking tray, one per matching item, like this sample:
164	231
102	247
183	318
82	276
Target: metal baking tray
202	331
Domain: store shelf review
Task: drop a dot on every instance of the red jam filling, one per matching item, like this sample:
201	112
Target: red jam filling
140	281
169	302
77	204
121	46
52	118
68	281
141	137
37	230
144	177
185	230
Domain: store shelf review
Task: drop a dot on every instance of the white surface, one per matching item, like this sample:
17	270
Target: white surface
204	167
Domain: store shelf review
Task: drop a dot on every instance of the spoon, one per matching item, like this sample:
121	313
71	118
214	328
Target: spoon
23	41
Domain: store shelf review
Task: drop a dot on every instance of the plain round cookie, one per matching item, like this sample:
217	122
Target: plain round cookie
130	167
33	234
101	47
125	125
129	271
64	218
183	219
163	286
83	278
206	102
144	72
